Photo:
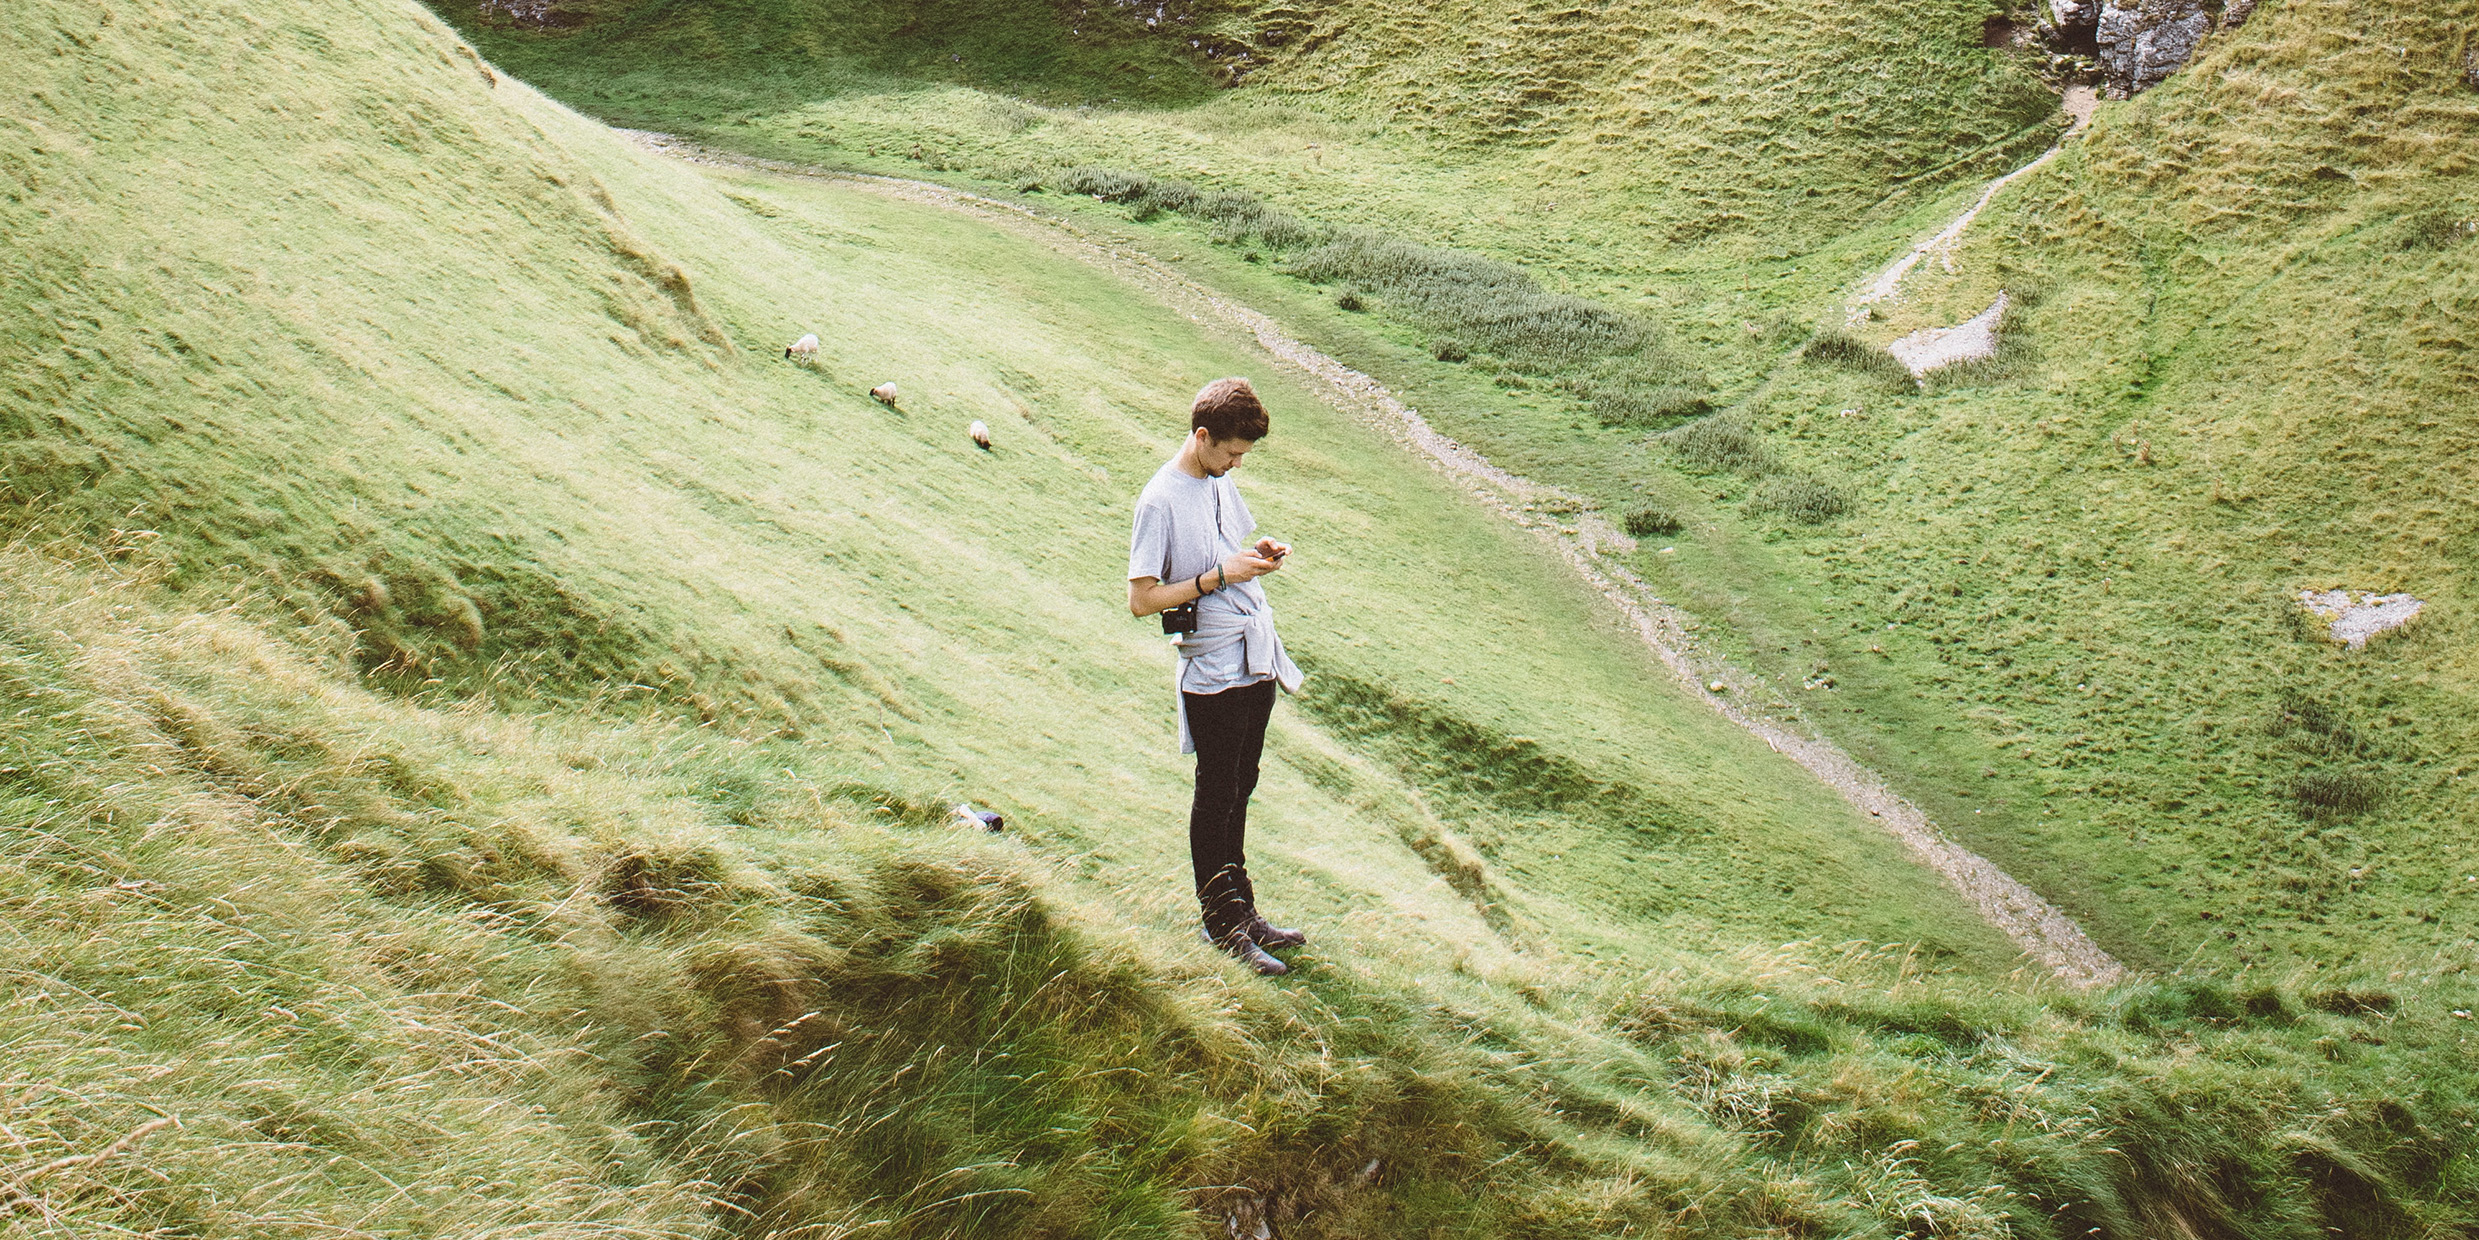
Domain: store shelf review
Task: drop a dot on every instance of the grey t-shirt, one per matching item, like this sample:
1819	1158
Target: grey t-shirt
1185	526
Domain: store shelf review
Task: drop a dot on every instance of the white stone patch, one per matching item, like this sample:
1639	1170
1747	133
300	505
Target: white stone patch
1968	341
2353	616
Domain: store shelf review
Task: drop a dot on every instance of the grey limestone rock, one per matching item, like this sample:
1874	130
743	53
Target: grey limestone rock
2074	16
2142	42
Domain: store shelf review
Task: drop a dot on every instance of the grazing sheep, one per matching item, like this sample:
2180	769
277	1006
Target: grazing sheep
980	434
803	349
978	819
884	394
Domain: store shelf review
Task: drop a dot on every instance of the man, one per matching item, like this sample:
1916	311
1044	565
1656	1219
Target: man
1189	549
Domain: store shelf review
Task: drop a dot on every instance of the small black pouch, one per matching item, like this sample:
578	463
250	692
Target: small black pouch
1180	619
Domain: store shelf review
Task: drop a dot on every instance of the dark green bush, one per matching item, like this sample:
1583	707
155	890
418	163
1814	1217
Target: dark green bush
1629	404
1801	497
1646	522
2180	1002
1718	443
1448	349
1845	352
2313	725
1224	208
2329	795
1172	196
1493	305
1350	299
1279	230
2352	1002
1107	184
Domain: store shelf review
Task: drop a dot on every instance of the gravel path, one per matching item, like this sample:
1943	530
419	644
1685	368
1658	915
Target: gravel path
2079	104
1588	542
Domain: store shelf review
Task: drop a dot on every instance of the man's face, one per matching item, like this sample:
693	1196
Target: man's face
1220	456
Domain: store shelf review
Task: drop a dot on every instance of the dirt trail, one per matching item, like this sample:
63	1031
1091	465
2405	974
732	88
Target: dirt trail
1585	539
2079	104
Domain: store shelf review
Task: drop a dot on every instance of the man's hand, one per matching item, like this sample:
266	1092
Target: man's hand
1147	595
1250	565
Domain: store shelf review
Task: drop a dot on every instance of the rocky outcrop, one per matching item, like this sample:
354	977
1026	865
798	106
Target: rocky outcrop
2142	43
2137	44
2072	22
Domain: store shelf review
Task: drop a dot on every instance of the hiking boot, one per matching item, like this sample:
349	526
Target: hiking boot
1240	947
1268	935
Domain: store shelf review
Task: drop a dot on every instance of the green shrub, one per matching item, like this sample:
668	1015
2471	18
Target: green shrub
1978	372
1107	184
1719	443
1493	305
1629	404
1350	299
1801	497
2180	1002
2331	795
1280	230
1845	352
1646	522
1171	196
1225	208
2353	1002
1448	349
2313	725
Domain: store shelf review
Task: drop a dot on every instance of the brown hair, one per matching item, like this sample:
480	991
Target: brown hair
1229	409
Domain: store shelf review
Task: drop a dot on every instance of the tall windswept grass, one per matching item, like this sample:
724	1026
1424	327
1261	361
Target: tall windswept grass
254	906
288	954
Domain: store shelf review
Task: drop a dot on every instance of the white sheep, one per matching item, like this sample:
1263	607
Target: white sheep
977	819
804	349
884	394
980	434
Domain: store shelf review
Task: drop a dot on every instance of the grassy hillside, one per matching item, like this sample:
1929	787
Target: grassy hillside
1612	145
480	725
2233	378
2244	380
292	956
558	462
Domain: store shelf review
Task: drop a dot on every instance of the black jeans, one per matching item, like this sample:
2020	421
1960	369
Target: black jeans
1228	729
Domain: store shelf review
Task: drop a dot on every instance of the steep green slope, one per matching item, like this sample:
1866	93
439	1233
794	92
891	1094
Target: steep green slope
470	454
478	728
2095	671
